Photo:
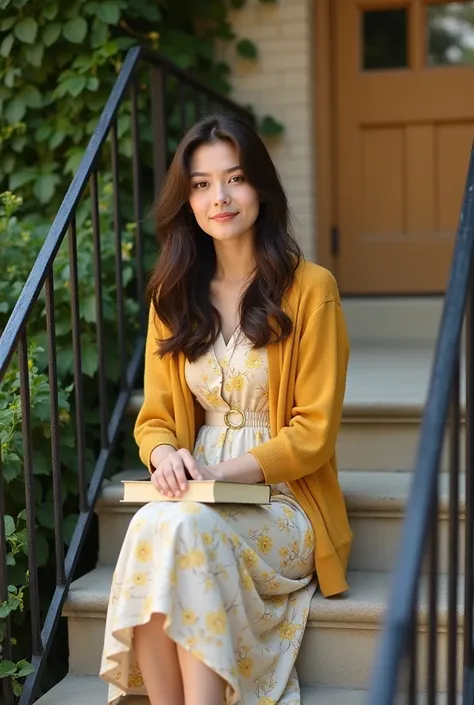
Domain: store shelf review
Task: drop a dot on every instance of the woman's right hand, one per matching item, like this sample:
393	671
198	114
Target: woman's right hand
169	476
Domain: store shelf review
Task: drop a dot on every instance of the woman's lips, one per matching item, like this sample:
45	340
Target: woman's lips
224	216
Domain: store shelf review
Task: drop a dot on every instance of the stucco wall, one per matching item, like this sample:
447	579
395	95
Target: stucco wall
280	83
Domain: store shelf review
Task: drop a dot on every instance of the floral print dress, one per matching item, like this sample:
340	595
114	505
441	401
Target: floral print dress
251	567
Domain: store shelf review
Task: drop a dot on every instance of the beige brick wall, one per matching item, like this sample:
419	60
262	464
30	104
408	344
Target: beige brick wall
280	83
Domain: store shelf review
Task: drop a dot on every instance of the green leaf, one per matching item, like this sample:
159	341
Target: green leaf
32	96
17	689
73	161
9	525
7	668
6	45
50	11
34	55
75	30
44	187
7	23
25	670
93	83
90	361
20	178
108	12
100	34
15	111
57	138
74	85
247	49
51	33
26	30
43	132
269	127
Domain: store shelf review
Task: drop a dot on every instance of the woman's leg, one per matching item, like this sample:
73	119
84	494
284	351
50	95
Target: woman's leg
202	686
158	661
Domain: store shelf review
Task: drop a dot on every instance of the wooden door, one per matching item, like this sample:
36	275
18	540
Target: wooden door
405	123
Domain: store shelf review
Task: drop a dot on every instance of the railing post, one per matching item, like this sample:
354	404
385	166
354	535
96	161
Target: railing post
468	646
29	492
453	539
5	644
137	206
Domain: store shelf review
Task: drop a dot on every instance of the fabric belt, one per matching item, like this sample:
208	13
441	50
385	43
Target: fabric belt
236	418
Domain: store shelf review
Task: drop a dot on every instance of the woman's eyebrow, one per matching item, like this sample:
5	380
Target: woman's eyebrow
227	171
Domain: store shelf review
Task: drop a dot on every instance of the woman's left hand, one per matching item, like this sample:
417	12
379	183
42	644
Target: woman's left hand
245	468
211	472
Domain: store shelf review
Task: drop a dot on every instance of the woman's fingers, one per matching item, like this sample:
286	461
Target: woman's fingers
190	464
170	476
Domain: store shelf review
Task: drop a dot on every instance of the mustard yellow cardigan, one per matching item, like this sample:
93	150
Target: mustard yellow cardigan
307	375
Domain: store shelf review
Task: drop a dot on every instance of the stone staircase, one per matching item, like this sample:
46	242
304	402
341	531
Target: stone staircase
386	389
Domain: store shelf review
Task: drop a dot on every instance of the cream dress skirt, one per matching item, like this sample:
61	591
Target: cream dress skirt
234	582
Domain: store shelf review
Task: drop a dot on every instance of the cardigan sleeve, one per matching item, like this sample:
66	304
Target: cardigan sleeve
309	439
155	424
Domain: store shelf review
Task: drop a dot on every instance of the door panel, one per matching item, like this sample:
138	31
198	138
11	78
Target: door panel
405	124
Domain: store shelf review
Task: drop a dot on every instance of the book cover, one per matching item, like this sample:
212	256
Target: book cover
206	491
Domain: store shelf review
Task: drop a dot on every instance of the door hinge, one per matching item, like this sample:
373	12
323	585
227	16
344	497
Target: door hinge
335	240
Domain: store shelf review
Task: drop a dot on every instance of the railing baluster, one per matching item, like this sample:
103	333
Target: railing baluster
55	458
120	299
468	660
433	562
137	205
78	388
453	540
6	645
103	406
158	117
29	492
413	656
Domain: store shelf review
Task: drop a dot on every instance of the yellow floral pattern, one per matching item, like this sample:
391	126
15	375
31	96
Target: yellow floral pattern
252	567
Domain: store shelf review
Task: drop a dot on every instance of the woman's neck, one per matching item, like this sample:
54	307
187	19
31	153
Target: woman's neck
234	261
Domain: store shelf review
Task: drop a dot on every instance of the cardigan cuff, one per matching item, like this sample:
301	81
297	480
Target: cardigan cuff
149	443
273	463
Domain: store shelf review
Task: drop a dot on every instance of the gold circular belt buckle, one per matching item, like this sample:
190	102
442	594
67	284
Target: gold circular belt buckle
229	423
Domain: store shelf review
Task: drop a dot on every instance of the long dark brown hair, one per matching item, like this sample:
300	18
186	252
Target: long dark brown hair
180	284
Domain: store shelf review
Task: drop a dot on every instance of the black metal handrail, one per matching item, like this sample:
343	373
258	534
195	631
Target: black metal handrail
14	336
400	642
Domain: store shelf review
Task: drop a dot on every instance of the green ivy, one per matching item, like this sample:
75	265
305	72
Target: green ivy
60	61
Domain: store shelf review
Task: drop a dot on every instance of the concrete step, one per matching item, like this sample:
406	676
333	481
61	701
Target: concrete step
385	397
375	501
90	690
338	648
411	320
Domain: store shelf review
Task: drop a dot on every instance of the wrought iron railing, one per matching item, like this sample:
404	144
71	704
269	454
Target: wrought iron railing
419	655
14	337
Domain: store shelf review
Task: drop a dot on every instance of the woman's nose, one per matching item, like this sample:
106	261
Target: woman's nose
221	196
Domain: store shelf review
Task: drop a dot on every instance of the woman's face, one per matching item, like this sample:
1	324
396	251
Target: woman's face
224	204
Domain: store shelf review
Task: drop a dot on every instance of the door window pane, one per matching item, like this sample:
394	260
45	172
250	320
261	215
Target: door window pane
450	33
385	39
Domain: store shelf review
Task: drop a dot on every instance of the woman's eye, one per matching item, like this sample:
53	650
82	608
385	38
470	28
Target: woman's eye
238	178
200	185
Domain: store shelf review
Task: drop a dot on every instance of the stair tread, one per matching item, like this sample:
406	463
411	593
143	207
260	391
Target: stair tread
364	602
390	381
369	491
91	690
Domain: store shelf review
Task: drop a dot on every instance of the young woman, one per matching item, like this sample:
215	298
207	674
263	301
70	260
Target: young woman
245	371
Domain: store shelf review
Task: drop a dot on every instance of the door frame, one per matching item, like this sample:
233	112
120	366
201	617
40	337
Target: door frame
324	129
